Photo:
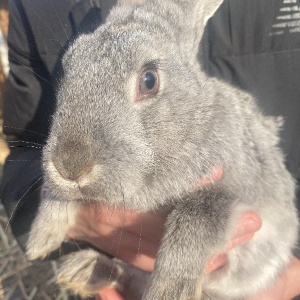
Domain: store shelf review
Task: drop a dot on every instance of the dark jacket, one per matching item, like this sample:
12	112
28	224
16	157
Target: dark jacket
247	43
40	31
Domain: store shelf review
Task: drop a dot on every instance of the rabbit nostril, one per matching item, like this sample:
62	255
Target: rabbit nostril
70	173
72	160
83	171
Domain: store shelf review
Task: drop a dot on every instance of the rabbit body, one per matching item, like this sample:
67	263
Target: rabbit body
112	142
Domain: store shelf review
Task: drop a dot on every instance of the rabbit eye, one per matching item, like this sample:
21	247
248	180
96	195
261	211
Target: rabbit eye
148	84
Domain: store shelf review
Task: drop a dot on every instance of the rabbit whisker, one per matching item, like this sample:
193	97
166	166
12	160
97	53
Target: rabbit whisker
15	208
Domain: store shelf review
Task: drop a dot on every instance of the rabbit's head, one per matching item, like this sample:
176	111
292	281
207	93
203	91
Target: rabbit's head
132	114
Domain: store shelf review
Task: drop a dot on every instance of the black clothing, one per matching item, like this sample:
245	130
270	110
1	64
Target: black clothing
39	34
253	45
246	43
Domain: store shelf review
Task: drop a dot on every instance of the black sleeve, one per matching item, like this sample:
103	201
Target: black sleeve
29	100
255	46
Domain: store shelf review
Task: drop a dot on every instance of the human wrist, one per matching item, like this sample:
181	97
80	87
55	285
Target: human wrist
293	278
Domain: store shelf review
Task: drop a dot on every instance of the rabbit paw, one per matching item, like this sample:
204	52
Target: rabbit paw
87	272
42	242
50	227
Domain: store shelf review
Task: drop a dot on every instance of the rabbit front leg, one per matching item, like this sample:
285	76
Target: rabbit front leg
50	226
195	230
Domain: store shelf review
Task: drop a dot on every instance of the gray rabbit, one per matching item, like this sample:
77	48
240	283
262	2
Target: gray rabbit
137	124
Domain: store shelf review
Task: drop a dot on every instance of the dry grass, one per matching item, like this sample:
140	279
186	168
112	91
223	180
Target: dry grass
21	279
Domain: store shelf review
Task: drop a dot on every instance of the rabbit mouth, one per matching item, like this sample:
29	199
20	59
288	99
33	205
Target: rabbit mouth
92	183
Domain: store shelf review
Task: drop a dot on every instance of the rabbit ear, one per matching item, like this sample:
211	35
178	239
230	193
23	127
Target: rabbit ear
190	18
186	17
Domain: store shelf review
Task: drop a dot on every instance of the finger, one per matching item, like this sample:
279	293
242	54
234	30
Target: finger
247	226
126	246
216	262
239	241
110	294
221	260
216	175
149	224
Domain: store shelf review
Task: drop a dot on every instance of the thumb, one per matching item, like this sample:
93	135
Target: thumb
247	226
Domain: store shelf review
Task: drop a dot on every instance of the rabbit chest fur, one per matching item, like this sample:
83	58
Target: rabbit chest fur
137	124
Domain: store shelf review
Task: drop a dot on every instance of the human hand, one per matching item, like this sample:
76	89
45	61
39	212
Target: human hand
135	238
286	287
248	224
125	234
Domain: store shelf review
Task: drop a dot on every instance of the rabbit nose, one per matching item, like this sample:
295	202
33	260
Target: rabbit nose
72	159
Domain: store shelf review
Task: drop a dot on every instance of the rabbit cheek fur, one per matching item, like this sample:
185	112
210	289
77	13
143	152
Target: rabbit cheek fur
110	145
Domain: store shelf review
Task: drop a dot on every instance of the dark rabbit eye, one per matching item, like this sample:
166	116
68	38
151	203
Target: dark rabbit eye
149	80
148	83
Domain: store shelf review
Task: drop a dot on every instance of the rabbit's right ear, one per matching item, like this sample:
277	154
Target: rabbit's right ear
209	8
189	18
186	18
122	9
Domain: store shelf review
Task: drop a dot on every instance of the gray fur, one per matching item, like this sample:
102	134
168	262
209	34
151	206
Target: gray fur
146	155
